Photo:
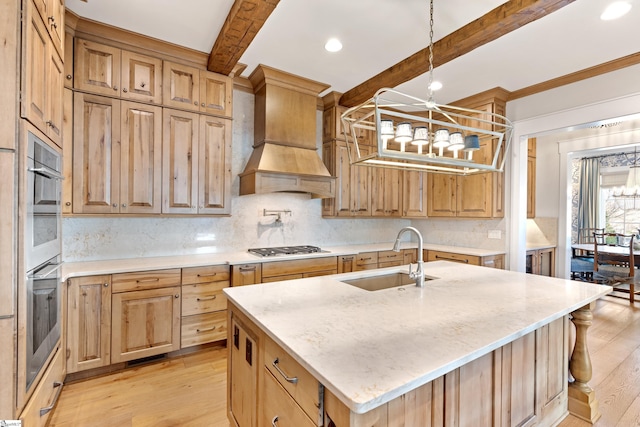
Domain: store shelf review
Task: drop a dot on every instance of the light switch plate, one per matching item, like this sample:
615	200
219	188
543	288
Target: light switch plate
495	234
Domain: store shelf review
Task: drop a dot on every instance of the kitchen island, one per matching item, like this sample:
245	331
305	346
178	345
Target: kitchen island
475	346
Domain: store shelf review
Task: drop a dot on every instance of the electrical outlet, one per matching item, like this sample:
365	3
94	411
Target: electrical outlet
495	234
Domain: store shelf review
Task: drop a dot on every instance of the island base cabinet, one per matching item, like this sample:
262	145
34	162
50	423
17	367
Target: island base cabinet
523	383
242	371
279	408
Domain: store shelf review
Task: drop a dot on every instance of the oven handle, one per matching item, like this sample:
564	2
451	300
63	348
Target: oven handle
48	270
47	172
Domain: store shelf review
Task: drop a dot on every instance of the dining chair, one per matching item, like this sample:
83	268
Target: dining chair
581	260
618	271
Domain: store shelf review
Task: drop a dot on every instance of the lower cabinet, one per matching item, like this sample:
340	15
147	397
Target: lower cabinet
494	261
541	261
37	411
242	365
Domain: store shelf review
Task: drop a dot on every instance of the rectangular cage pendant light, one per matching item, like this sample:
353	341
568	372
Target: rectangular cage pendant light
410	133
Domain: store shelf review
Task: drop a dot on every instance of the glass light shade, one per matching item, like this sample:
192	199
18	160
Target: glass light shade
420	135
386	129
471	143
456	141
441	138
632	187
403	132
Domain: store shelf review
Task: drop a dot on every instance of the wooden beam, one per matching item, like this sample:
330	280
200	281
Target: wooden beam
489	27
245	19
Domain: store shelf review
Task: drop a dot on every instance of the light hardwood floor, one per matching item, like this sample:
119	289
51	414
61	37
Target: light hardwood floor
191	390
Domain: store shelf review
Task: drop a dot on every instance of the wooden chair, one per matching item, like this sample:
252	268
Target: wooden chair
618	271
582	261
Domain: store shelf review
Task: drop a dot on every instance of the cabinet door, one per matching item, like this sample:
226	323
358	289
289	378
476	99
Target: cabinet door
386	192
342	201
88	323
55	85
414	193
361	187
36	62
441	195
97	68
180	162
141	77
145	323
140	158
247	274
214	166
243	375
180	86
67	151
55	20
346	264
474	193
96	154
546	262
216	94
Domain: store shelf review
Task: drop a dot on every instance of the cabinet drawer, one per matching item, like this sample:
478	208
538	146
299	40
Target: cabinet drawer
203	298
212	273
143	280
283	366
46	393
203	328
389	264
277	403
448	256
301	266
367	258
390	256
283	277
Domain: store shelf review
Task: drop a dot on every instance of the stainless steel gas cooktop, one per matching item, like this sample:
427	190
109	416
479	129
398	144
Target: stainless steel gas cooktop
285	250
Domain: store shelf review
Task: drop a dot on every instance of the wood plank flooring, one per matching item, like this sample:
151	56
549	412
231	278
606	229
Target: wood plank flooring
191	390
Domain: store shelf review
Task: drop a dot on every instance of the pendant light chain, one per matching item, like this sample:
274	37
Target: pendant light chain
430	92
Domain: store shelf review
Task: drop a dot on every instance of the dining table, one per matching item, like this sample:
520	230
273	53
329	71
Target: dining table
622	251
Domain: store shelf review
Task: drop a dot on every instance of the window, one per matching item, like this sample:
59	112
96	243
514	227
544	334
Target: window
620	214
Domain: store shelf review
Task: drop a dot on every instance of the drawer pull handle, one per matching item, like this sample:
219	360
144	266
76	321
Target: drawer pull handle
206	275
292	380
248	268
365	259
206	299
274	421
46	410
205	330
152	279
466	261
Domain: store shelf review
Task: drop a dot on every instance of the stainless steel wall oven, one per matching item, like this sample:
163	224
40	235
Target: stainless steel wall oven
42	254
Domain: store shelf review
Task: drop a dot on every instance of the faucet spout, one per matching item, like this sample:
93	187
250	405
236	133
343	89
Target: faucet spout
419	273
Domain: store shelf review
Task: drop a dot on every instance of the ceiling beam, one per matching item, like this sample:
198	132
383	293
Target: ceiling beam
243	22
489	27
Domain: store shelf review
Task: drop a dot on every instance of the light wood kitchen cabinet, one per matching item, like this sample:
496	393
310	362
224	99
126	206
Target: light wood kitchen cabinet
52	14
243	367
298	269
204	305
479	195
110	71
145	316
43	72
494	261
193	89
366	261
346	263
117	156
196	163
386	192
414	194
67	151
88	323
541	261
246	274
353	183
531	178
390	259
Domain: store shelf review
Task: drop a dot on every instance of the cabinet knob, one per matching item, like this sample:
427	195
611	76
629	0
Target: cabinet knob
124	205
195	102
115	88
202	104
67	204
125	90
177	296
142	84
68	76
115	205
106	285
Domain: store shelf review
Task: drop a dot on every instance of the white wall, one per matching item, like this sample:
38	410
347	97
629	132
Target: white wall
557	111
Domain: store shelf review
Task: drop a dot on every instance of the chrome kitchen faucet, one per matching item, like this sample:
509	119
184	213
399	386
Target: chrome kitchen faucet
419	273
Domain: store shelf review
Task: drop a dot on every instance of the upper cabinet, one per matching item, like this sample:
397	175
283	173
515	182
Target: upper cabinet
192	89
131	153
479	195
43	72
110	71
52	14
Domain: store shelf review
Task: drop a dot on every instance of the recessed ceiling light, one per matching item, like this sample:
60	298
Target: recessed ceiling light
435	85
333	45
615	10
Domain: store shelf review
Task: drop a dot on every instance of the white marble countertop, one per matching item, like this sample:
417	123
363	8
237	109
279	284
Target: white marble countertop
90	268
371	347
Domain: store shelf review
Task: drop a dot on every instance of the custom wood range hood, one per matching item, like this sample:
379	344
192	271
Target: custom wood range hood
285	156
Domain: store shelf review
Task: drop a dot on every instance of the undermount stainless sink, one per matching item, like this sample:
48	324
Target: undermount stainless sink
384	281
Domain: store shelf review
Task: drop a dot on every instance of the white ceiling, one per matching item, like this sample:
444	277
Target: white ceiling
377	34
